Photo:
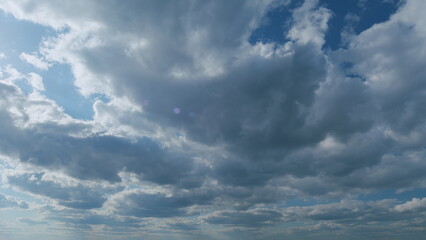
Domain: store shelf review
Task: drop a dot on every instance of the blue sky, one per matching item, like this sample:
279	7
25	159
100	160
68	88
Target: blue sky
296	119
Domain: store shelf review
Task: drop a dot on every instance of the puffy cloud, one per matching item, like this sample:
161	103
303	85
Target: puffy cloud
36	81
10	75
203	120
202	45
310	23
377	59
287	102
414	205
37	131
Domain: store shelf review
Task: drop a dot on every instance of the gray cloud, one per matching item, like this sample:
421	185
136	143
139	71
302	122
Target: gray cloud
79	196
214	122
249	219
159	205
49	145
263	110
86	220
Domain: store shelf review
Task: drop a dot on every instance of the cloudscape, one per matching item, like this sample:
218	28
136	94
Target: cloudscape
211	120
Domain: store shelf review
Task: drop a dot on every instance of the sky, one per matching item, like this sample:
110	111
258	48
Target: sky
211	120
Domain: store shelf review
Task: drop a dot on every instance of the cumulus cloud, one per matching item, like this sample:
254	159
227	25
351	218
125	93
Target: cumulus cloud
10	75
310	23
414	205
204	122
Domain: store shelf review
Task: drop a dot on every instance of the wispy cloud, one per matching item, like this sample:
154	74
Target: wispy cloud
35	61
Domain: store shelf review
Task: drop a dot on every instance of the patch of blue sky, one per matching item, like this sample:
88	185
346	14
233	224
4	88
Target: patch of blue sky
22	36
358	15
275	24
19	36
58	82
12	214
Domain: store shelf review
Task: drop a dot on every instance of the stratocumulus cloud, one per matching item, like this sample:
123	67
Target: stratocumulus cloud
201	131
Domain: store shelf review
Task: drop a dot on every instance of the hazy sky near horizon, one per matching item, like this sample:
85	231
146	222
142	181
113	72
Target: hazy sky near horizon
273	119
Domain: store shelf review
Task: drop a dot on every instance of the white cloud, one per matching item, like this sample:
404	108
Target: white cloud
35	61
11	76
310	23
415	204
36	81
34	108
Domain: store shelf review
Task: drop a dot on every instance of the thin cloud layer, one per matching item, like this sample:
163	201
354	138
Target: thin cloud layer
11	202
